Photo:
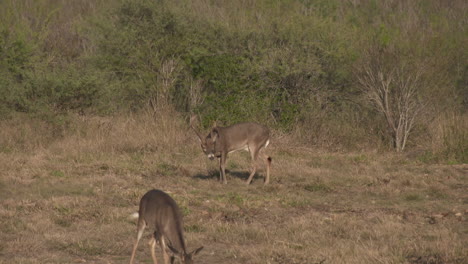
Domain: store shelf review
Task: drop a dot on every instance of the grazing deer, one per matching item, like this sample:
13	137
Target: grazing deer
248	136
161	213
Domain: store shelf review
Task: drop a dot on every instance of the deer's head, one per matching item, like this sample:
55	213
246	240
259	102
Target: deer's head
208	145
209	142
186	258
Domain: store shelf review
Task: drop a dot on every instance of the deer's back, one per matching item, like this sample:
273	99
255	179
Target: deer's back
241	135
249	130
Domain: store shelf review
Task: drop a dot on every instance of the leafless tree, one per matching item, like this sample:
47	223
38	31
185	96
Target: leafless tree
195	94
393	89
166	78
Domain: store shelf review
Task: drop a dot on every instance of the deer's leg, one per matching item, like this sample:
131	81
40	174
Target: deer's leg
152	244
140	229
162	243
254	155
268	165
222	168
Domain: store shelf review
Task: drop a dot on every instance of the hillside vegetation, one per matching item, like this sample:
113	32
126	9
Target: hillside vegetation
341	75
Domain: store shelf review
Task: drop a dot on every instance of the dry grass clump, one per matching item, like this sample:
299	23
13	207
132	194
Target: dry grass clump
67	199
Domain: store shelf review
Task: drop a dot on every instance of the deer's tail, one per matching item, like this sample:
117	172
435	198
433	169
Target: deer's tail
134	216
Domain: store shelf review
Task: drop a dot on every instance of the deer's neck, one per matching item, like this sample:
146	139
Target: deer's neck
176	237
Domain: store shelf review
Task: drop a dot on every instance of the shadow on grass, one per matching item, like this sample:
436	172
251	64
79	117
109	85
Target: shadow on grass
214	174
243	175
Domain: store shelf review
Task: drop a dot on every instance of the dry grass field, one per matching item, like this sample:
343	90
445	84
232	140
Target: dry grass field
66	193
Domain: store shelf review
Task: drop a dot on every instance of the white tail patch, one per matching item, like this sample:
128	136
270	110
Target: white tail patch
134	216
266	144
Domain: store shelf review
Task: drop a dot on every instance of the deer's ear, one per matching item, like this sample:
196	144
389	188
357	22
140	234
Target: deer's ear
175	251
196	251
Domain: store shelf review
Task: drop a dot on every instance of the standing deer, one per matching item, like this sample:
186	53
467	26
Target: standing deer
161	213
248	136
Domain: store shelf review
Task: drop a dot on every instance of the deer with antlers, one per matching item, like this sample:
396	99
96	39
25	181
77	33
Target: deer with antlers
248	136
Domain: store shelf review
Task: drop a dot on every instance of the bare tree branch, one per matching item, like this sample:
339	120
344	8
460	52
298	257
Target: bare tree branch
392	89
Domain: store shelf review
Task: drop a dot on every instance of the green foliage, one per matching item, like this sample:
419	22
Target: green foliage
31	79
15	64
255	74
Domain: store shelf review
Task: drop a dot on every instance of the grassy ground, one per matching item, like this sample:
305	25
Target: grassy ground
66	195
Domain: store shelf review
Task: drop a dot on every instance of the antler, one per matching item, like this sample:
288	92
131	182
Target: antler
192	118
